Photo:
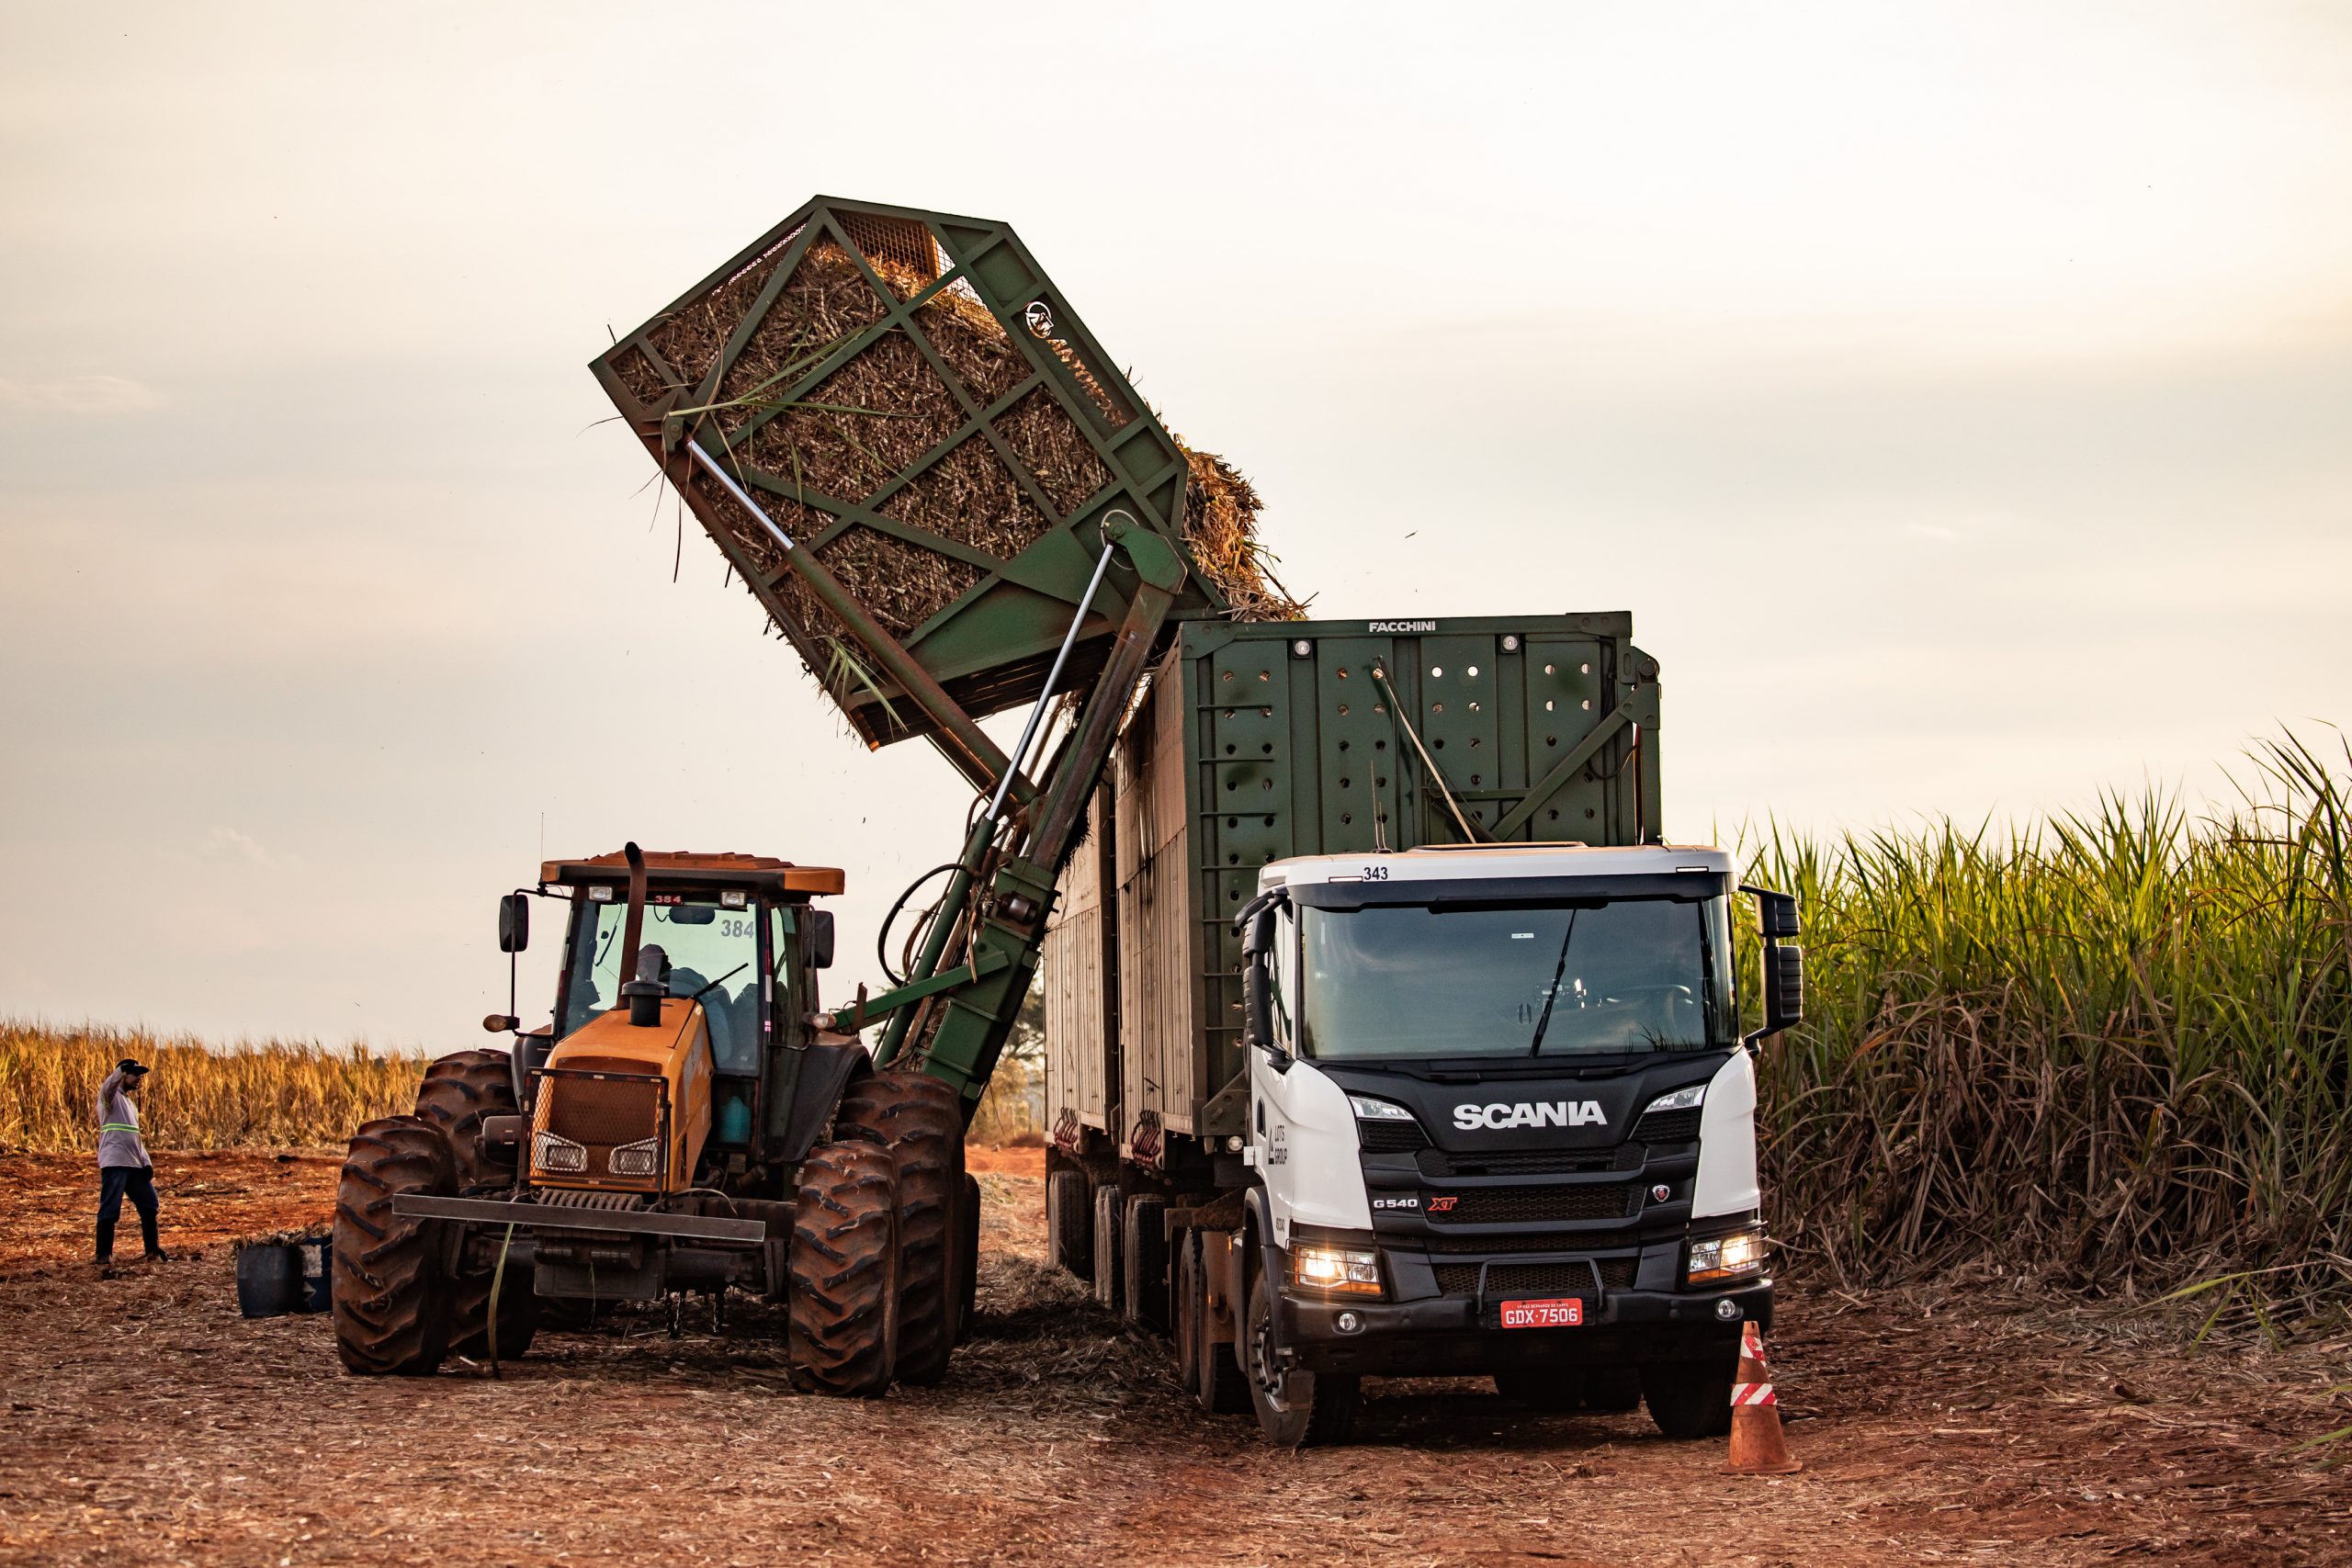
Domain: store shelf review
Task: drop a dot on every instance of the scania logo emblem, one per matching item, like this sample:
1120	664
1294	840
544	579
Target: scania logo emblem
1527	1113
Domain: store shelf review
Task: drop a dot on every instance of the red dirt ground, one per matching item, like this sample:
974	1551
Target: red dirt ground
147	1423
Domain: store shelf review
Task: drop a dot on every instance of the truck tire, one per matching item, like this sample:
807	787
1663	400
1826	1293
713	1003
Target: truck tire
919	1118
1069	1221
392	1303
1188	1307
459	1091
1690	1399
1143	1253
1110	1221
967	1240
843	1258
1297	1409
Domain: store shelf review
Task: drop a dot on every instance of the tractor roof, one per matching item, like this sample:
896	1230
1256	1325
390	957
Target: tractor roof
673	869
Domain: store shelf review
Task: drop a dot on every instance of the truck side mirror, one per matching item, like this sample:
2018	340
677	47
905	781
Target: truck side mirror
1783	988
1256	1000
513	922
1776	913
817	938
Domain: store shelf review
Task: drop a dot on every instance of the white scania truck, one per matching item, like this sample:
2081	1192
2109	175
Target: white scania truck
1480	1106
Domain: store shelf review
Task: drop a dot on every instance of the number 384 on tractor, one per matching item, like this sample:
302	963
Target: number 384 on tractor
683	1125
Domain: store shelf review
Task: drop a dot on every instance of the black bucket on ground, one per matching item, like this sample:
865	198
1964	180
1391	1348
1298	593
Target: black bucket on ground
316	1258
269	1279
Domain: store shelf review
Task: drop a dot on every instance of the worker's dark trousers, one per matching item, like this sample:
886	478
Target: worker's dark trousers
113	1182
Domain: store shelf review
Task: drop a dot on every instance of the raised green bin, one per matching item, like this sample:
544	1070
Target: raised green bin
907	398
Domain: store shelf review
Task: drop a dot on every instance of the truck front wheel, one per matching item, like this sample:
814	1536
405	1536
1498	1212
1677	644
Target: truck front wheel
1690	1399
1297	1409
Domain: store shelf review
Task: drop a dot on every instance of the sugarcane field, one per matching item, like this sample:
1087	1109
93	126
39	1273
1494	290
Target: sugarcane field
1095	958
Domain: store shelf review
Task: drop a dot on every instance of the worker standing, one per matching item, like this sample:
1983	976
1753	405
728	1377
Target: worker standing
123	1166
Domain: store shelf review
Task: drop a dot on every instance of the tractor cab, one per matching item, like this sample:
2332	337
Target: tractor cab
681	1019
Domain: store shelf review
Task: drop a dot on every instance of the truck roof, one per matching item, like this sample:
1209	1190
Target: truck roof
1463	863
723	869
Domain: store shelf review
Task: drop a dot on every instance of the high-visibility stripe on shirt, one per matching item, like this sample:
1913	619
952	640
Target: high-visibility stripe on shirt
118	1127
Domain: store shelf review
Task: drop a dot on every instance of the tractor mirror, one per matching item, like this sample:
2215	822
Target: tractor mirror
513	922
817	938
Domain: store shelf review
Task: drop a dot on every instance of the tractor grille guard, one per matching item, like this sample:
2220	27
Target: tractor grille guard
599	1114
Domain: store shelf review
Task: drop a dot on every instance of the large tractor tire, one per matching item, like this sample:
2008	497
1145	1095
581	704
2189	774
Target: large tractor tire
391	1302
844	1264
919	1118
459	1091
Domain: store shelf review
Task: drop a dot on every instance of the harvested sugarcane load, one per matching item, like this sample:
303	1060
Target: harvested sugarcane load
908	402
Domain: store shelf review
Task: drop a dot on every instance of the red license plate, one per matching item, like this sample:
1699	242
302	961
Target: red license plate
1567	1314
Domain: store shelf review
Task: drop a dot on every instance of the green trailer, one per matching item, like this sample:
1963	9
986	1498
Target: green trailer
1258	743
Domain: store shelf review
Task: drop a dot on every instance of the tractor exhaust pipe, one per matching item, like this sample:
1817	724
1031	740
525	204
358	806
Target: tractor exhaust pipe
634	932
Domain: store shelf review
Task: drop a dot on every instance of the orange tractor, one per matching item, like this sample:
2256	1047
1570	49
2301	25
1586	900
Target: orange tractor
683	1125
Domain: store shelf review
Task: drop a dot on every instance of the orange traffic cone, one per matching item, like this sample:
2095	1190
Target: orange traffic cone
1756	1446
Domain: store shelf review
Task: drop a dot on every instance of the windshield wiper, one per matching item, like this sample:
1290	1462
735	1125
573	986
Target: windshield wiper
720	981
1558	969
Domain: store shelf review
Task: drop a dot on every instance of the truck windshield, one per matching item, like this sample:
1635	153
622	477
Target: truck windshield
1391	980
711	950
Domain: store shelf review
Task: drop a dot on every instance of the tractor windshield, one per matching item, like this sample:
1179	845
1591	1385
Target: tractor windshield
712	951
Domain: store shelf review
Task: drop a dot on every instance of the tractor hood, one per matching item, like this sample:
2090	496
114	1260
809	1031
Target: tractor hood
624	1106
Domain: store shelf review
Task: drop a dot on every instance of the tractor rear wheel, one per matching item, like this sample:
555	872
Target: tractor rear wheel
459	1091
844	1264
919	1118
392	1303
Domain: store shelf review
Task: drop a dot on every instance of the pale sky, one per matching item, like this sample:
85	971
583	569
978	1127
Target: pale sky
1959	398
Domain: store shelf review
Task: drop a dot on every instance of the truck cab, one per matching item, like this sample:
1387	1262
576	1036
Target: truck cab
1502	1119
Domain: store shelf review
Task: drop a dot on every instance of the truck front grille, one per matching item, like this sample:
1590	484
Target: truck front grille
1524	1205
1538	1278
1563	1241
1535	1162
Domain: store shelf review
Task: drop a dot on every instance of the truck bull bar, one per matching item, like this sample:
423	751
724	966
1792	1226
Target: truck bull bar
548	1216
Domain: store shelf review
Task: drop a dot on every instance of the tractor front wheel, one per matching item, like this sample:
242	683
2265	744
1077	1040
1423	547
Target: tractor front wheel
391	1300
845	1265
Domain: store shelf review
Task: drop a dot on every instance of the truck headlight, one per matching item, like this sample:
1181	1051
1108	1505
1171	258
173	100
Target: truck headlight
551	1152
642	1158
1342	1270
1681	1100
1370	1110
1732	1257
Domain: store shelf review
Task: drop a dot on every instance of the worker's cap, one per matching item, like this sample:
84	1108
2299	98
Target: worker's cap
131	1065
